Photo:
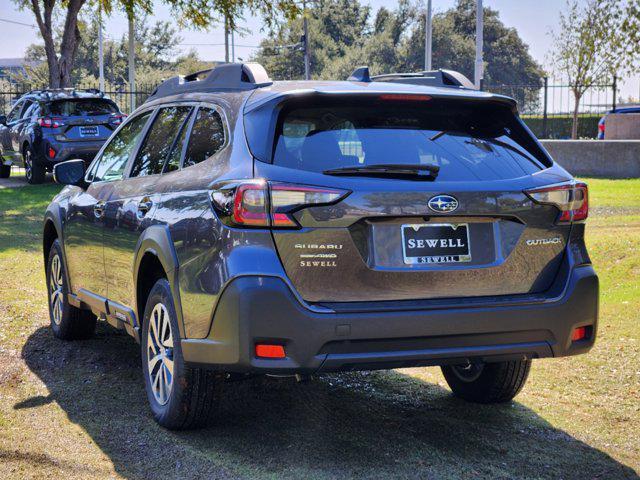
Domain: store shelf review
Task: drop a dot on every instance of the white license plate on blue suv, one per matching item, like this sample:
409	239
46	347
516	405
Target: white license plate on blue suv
89	131
436	243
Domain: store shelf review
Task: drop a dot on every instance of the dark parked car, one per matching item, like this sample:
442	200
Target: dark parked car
237	226
623	110
45	127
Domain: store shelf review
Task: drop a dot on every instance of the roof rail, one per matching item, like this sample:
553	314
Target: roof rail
434	78
225	77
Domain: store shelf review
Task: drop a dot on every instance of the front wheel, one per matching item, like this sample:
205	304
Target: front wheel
5	171
180	397
487	382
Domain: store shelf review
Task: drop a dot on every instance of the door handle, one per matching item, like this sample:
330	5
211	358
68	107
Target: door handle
98	209
144	206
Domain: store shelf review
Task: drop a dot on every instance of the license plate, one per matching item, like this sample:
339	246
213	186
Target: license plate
436	243
88	131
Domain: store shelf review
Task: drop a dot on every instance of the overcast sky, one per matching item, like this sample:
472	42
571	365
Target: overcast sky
531	18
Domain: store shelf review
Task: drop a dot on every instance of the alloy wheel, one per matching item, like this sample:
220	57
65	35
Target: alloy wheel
55	289
160	354
469	372
28	164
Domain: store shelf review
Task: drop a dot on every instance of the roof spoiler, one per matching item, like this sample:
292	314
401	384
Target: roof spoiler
434	78
225	77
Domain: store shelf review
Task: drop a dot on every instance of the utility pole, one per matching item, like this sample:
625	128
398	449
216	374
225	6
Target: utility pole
428	37
305	26
226	38
233	47
478	74
132	66
100	50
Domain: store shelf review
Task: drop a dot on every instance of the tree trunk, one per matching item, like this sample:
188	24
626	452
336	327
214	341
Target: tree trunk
59	66
574	126
69	45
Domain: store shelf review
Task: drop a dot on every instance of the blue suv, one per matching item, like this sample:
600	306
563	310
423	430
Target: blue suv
46	127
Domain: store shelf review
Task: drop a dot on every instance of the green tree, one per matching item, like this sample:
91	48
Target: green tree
596	40
393	40
155	56
61	53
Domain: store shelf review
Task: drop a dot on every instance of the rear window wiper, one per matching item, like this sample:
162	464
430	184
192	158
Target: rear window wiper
400	171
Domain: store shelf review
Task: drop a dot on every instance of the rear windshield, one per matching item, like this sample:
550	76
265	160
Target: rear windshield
467	141
82	107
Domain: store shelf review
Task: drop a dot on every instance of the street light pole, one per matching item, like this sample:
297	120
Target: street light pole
305	26
132	66
478	74
428	37
100	49
226	39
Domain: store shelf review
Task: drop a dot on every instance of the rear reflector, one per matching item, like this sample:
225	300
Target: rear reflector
579	333
269	351
572	199
52	153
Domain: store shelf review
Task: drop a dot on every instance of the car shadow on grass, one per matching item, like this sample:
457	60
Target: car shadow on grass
354	425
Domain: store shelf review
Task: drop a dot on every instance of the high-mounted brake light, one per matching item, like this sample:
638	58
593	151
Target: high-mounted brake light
405	97
50	122
257	203
572	199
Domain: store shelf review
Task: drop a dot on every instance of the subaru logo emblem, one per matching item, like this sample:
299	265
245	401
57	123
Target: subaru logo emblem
443	203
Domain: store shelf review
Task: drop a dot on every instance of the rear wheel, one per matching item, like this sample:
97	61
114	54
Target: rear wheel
67	321
34	171
180	397
5	171
487	382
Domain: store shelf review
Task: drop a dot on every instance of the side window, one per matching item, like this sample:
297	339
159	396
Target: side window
25	109
114	157
161	137
173	162
32	112
207	136
14	114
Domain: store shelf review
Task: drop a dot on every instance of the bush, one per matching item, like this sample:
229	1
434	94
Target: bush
559	126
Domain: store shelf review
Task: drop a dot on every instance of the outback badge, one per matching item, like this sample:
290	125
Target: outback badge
443	203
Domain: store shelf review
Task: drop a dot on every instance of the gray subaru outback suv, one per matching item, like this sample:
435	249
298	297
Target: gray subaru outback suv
237	226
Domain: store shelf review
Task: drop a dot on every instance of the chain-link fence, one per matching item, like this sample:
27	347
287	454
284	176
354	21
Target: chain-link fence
546	108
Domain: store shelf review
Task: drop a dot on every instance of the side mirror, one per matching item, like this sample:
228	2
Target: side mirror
70	172
3	119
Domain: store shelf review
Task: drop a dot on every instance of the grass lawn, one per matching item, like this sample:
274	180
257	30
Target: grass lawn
78	410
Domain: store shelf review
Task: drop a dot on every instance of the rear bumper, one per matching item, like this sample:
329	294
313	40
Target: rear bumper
256	309
85	150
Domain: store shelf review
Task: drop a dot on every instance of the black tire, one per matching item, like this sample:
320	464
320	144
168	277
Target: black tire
34	171
489	382
5	171
67	321
193	395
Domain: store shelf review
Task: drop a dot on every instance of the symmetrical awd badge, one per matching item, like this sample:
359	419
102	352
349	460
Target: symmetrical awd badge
443	203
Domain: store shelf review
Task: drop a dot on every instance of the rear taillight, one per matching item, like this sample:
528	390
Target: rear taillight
572	199
50	122
117	118
601	127
258	203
